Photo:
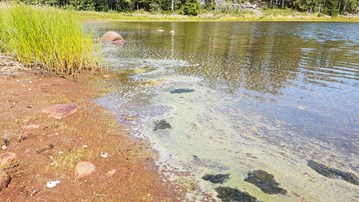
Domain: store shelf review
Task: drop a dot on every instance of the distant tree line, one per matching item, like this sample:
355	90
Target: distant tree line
194	7
328	7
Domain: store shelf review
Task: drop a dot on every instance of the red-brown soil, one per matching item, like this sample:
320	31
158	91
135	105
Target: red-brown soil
55	146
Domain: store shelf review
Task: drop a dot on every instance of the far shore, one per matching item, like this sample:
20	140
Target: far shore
260	14
276	15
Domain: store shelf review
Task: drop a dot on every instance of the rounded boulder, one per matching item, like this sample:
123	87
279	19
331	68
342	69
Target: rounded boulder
113	37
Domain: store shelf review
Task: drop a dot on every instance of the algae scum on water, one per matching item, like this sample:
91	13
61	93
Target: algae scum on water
244	111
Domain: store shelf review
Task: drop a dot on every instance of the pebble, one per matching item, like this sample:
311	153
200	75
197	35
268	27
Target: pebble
29	152
6	159
5	180
84	168
52	184
112	172
104	154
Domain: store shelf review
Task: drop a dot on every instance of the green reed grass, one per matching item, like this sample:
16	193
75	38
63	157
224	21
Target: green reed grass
45	37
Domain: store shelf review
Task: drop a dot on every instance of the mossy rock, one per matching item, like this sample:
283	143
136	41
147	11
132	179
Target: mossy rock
219	178
228	194
161	125
265	182
332	172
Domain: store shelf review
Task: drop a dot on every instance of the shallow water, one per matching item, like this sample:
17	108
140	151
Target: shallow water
266	96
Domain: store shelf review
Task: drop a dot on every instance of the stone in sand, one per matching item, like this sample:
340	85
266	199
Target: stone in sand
84	168
30	152
228	194
332	172
162	124
265	182
7	159
111	172
181	90
60	111
219	178
5	180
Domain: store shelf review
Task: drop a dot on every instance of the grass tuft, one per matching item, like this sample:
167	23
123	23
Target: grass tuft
47	38
68	160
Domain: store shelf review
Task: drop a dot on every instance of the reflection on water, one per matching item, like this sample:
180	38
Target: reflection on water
267	95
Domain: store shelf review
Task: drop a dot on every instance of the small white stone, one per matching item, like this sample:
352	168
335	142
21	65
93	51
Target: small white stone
84	146
104	154
52	184
4	147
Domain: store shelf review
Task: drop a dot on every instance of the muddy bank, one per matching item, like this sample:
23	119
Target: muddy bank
48	149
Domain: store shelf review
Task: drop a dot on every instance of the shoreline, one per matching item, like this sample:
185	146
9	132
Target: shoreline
47	149
148	17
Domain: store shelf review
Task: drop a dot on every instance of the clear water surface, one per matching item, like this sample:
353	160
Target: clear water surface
267	95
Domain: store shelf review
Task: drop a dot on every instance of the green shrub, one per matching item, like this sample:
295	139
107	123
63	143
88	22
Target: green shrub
48	38
191	7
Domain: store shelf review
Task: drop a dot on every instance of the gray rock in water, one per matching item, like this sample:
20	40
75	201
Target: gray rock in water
219	178
162	124
181	90
332	172
265	182
228	194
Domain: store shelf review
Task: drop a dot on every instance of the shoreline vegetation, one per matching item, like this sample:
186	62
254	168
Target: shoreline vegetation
273	15
47	38
257	14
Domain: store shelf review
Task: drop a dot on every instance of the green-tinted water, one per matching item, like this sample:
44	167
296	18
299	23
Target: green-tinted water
266	96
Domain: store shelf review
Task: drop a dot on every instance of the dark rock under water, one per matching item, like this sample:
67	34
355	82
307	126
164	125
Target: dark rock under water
162	124
265	182
181	90
219	178
228	194
332	172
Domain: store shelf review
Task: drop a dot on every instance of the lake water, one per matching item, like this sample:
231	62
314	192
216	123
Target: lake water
267	95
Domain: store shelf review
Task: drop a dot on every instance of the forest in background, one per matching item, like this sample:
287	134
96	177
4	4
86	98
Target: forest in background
195	7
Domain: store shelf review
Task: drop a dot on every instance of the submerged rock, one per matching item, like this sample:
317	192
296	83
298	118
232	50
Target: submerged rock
208	163
332	172
265	182
228	194
162	124
181	90
219	178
